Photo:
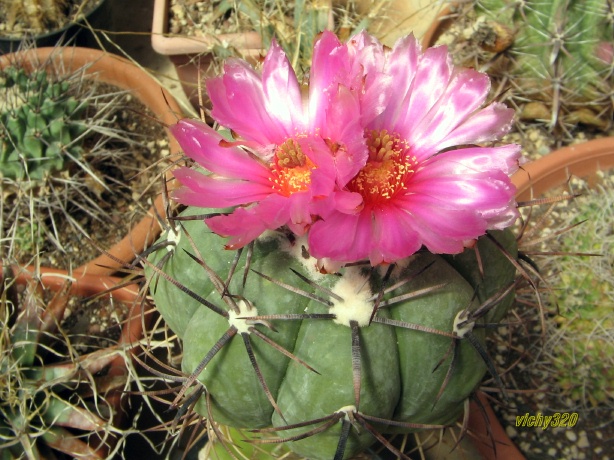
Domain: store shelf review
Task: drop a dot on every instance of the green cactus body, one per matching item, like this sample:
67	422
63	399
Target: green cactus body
561	56
40	125
404	374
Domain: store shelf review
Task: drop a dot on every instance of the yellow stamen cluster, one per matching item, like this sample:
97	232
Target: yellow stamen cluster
387	170
291	171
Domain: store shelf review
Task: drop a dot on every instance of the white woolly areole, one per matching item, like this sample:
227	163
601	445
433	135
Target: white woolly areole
172	236
234	318
462	329
298	250
348	410
354	290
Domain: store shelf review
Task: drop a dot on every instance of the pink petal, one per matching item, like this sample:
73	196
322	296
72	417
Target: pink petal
473	160
488	124
395	237
201	143
429	84
329	62
441	229
208	192
238	102
465	93
477	192
282	91
343	127
401	66
244	225
342	237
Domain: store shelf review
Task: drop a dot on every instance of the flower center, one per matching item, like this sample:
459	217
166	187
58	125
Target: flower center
291	170
388	168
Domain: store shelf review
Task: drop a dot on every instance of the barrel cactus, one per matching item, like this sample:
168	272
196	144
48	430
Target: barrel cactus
555	57
368	246
41	121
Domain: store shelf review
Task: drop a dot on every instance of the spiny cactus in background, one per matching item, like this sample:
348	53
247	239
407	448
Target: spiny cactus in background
555	58
330	318
41	124
64	145
580	348
50	396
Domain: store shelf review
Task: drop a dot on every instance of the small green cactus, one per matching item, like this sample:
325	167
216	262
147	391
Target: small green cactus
329	360
50	397
555	58
67	149
42	124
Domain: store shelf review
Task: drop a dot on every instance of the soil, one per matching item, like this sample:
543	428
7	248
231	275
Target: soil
197	18
18	20
128	168
94	323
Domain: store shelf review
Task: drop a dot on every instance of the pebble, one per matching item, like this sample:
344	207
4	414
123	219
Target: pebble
552	452
572	436
583	441
511	431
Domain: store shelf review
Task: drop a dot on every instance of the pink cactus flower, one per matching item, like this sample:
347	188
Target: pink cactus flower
283	166
426	181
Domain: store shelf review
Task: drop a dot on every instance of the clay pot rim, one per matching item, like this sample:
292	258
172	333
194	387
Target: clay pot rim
88	285
581	160
120	72
170	46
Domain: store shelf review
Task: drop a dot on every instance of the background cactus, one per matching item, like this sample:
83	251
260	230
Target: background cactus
70	149
579	347
267	340
553	59
42	123
51	396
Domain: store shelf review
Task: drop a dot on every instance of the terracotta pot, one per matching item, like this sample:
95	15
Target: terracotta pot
139	314
112	69
488	436
580	160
